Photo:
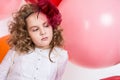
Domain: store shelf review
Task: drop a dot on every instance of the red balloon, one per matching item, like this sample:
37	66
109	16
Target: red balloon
55	2
112	78
92	31
8	7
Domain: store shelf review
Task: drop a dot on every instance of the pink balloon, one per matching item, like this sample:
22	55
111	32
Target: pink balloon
92	31
7	7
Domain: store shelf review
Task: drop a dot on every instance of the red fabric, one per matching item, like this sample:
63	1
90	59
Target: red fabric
55	2
4	47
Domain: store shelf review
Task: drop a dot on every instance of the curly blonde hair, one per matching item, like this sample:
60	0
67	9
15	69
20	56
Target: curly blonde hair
20	39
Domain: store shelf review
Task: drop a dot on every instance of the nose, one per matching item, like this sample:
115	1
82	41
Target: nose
42	31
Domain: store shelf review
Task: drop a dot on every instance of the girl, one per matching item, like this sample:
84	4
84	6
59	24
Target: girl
36	44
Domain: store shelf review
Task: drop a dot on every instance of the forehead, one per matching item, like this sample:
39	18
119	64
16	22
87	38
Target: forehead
36	17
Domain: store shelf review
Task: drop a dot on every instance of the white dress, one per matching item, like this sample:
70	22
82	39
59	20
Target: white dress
34	65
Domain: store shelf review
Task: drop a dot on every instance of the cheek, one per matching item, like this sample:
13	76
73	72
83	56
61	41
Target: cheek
35	39
50	32
33	36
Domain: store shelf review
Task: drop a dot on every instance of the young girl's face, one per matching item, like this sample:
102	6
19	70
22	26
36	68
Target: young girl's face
39	30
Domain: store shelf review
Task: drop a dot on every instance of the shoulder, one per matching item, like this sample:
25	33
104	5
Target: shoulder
11	52
62	53
9	55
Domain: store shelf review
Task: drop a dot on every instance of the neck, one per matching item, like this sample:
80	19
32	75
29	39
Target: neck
46	47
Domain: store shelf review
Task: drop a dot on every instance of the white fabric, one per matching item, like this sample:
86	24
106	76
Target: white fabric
34	65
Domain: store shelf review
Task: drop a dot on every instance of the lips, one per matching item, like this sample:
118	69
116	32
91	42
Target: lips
44	38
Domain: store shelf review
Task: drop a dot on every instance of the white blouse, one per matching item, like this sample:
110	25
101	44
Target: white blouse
34	65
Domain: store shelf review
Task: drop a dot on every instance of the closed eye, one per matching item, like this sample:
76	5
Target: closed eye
46	24
35	29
